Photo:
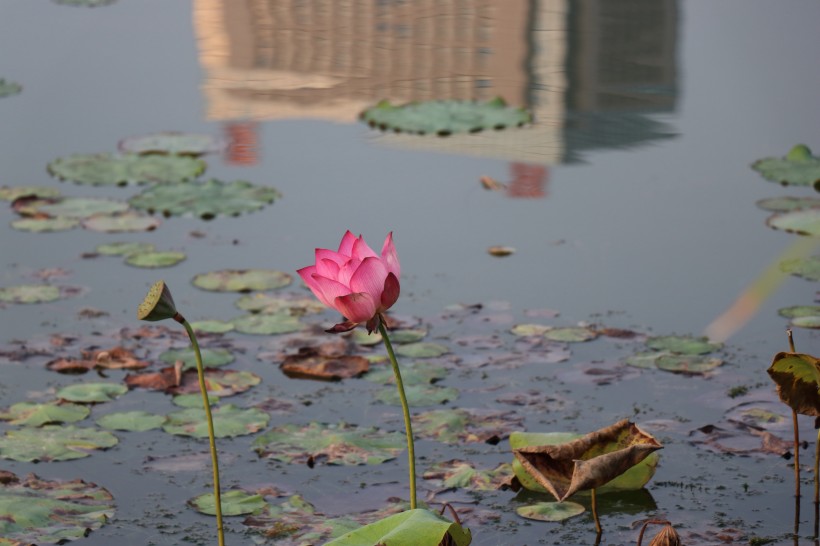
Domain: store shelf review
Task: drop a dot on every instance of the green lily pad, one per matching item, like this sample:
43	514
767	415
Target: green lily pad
360	336
81	207
530	329
460	425
417	527
10	193
682	345
229	421
29	293
34	415
445	117
129	221
267	324
788	203
417	373
335	444
806	268
212	326
801	222
806	322
154	259
36	511
550	511
800	311
45	225
271	304
193	400
419	395
422	349
86	393
459	474
211	358
121	170
687	364
235	502
131	421
123	248
172	142
407	335
205	200
570	334
242	280
53	443
9	88
646	360
799	167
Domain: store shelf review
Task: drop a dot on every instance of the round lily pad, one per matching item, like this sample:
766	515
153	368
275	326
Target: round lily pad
233	503
53	443
172	142
120	223
123	248
229	421
418	373
37	511
550	511
687	364
406	335
29	293
9	88
419	395
800	311
806	322
10	193
445	117
205	200
120	170
570	334
801	222
683	345
91	392
80	207
34	415
154	259
211	358
422	349
789	203
212	326
242	280
193	400
341	443
132	421
360	336
799	167
267	324
806	268
44	225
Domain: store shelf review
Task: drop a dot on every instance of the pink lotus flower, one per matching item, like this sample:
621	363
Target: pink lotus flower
355	281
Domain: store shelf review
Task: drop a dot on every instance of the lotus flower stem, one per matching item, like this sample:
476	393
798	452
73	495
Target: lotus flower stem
214	459
405	408
595	513
816	469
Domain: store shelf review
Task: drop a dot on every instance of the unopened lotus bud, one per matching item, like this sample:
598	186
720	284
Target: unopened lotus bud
158	304
666	537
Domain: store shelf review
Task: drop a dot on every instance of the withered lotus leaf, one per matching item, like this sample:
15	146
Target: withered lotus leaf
798	379
589	461
312	365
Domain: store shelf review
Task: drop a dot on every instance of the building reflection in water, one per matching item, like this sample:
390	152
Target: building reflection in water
593	72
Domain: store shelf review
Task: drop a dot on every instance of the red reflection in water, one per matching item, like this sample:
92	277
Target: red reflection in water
243	140
528	181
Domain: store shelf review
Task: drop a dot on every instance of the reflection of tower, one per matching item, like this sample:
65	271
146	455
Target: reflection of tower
242	138
527	180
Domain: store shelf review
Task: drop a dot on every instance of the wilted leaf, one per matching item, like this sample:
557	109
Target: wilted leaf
218	382
53	443
311	365
417	527
172	143
120	170
587	462
500	251
242	280
12	193
228	420
797	377
550	511
205	200
463	475
798	168
466	425
34	415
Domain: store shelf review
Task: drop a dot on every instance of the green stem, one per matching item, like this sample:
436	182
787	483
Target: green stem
405	408
211	436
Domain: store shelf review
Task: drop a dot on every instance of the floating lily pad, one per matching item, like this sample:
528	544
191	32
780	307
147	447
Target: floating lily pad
267	324
229	421
799	167
131	421
218	382
123	248
806	268
271	304
409	528
242	280
645	359
406	335
205	200
570	334
360	336
800	311
30	293
683	345
34	415
417	373
36	511
45	225
10	193
788	203
81	207
193	400
802	222
463	475
53	443
419	395
806	322
116	358
212	326
422	349
235	502
9	88
155	259
459	425
687	364
172	142
445	117
120	223
120	170
87	393
530	329
550	511
341	444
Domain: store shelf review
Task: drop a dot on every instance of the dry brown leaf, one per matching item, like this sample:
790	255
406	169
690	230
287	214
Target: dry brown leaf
312	365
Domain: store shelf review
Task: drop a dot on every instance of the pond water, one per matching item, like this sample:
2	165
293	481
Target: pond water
629	201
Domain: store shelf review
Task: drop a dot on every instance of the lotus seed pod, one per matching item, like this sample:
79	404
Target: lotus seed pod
158	304
666	537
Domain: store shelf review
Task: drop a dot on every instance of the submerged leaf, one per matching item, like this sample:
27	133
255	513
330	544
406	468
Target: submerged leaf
132	421
9	88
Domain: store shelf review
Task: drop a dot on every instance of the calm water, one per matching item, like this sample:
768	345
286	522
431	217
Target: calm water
637	202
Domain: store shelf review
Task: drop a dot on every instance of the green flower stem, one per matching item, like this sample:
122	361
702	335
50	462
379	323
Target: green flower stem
405	408
214	460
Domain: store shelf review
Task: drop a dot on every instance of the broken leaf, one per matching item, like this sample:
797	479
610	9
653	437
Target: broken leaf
452	426
311	365
463	475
